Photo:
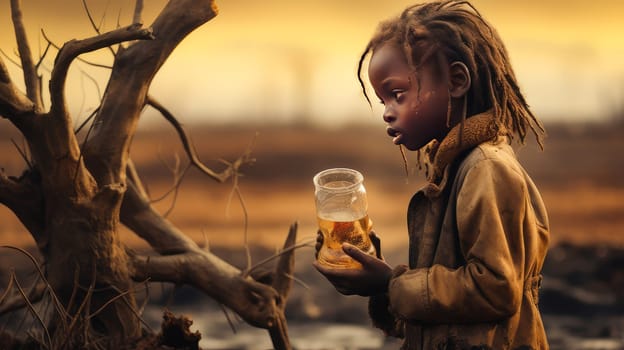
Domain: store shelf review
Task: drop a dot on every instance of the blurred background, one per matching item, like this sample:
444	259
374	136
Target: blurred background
279	77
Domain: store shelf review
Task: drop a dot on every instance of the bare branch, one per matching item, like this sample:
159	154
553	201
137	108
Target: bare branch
57	304
33	90
13	103
23	154
138	215
282	285
133	71
17	64
35	294
31	308
111	176
45	52
95	27
95	83
118	18
7	290
138	9
298	280
186	142
178	176
236	189
74	48
253	301
99	65
136	312
85	304
86	121
279	332
261	305
133	176
279	254
84	142
227	317
145	300
286	264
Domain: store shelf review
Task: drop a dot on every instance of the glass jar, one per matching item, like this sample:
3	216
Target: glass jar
341	210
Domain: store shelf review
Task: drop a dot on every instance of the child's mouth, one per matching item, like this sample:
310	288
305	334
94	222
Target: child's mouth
397	136
397	140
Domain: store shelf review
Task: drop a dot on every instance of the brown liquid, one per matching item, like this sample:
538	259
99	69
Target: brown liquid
337	232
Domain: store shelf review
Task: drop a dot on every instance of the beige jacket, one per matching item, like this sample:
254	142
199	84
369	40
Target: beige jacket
478	235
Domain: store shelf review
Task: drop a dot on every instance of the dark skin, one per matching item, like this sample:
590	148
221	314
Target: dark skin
415	111
372	279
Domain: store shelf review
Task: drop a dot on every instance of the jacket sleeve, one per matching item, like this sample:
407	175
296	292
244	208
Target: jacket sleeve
379	311
490	209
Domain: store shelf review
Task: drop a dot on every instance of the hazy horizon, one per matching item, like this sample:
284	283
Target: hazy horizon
280	61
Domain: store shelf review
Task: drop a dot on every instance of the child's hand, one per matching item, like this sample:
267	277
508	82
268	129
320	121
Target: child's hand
372	279
376	243
373	237
319	243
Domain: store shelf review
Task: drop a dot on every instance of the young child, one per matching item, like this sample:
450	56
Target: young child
478	230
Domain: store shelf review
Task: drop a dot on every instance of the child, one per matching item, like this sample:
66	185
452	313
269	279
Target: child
478	230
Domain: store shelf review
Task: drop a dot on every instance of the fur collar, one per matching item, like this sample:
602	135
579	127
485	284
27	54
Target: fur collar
463	137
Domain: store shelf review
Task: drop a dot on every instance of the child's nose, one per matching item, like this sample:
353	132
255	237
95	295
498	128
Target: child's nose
388	116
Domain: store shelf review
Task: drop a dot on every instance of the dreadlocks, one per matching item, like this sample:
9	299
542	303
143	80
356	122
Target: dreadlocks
449	31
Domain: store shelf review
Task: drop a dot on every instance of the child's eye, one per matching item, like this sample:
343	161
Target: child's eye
397	94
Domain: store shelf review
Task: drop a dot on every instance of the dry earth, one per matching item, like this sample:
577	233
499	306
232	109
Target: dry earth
580	174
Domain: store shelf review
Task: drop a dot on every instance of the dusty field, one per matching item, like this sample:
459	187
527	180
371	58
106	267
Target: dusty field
580	175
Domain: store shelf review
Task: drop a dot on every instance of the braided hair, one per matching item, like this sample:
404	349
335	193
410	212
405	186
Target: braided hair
448	31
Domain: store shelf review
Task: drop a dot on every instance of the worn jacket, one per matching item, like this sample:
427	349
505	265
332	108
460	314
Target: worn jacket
478	235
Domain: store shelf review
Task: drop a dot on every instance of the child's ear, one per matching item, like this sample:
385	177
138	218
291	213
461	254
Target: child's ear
459	79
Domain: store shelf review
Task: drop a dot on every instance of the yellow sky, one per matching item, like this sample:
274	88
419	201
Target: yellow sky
278	60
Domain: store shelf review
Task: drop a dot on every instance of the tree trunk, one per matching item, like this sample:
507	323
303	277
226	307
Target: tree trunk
70	198
88	269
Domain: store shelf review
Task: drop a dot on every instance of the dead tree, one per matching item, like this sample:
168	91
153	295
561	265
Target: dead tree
73	197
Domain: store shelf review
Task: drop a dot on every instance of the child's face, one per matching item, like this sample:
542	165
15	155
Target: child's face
416	102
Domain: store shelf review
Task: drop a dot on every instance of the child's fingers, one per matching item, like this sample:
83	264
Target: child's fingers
357	254
376	243
339	278
319	243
